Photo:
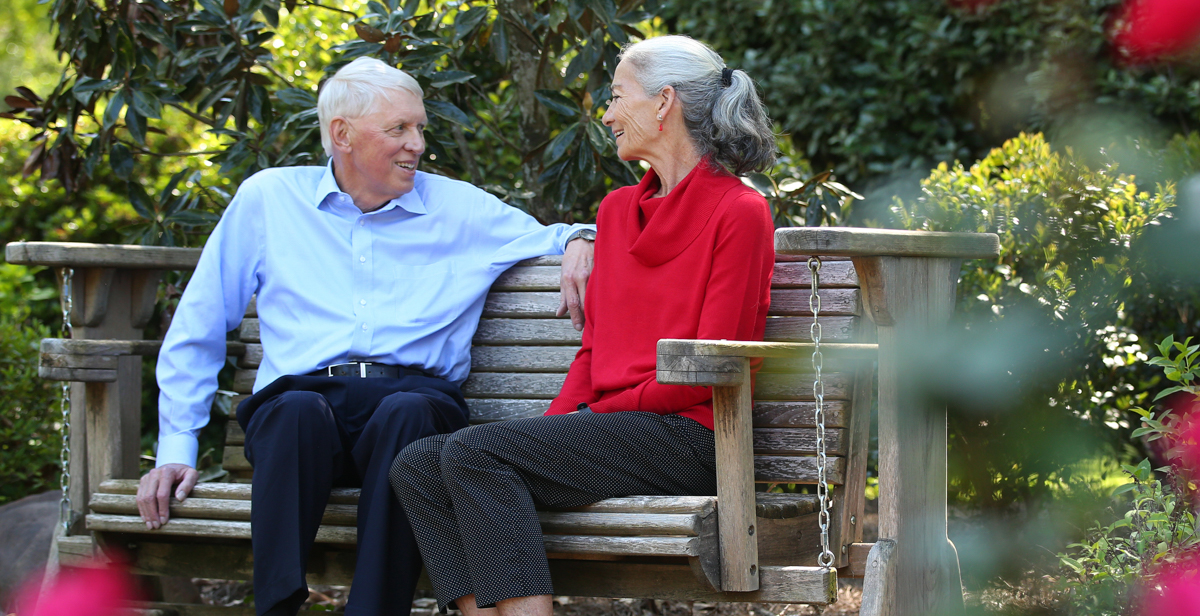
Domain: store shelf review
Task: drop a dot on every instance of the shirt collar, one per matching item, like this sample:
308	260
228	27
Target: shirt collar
410	201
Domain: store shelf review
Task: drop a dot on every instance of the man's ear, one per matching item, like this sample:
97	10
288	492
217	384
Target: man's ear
340	133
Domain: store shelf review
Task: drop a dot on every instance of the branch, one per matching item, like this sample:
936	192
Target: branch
194	115
327	8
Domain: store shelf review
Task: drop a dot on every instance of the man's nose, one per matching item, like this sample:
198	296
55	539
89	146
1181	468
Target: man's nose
606	119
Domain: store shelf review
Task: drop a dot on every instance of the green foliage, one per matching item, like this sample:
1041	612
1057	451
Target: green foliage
1065	271
1103	573
29	440
797	197
870	89
513	89
26	47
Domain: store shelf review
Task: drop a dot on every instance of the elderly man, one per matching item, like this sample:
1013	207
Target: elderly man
370	277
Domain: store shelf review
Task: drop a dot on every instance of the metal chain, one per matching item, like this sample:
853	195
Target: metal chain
64	458
825	559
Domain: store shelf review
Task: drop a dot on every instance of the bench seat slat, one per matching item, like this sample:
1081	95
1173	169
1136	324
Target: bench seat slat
211	509
347	535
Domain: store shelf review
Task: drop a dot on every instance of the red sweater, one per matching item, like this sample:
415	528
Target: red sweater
695	264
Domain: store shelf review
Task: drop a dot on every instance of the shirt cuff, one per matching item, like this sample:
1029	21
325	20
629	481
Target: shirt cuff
576	231
177	449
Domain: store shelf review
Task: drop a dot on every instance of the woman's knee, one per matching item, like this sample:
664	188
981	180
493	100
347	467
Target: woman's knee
418	462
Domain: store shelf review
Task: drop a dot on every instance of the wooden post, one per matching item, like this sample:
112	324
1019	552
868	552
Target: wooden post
908	281
106	417
733	428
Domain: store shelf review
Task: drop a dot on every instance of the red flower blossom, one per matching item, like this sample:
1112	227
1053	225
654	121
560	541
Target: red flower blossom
84	591
1175	590
1151	30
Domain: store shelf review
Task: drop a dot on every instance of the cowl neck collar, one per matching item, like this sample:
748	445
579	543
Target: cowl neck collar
679	217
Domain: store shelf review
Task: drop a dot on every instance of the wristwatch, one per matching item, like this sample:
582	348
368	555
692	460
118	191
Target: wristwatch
583	234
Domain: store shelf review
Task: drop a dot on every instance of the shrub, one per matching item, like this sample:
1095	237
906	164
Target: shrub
29	432
873	88
1062	349
1118	563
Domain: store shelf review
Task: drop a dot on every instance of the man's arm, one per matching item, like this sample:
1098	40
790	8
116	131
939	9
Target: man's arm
193	351
523	237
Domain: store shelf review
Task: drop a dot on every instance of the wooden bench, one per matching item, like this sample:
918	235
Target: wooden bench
743	545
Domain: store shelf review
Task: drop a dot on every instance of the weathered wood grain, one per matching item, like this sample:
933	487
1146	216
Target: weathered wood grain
619	524
81	255
210	509
797	469
210	529
716	349
76	375
522	358
734	440
527	332
589	578
851	242
857	557
621	546
796	329
796	275
784	302
115	348
879	585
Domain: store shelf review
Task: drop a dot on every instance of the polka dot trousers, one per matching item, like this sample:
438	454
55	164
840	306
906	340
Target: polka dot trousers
471	496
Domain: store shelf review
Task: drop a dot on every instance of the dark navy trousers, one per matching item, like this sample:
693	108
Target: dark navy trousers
308	434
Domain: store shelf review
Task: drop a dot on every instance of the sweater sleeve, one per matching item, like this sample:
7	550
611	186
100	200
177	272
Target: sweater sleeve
738	291
578	386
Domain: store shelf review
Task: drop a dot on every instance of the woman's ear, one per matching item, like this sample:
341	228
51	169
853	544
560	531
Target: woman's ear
339	133
668	101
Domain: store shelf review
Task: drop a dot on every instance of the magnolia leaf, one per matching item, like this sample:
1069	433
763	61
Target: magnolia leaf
557	102
369	34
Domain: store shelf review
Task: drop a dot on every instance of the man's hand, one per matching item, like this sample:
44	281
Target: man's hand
576	268
154	491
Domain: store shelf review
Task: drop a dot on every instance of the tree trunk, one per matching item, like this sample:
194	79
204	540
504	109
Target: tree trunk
525	57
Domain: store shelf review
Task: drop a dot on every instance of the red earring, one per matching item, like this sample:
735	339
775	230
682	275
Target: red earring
660	127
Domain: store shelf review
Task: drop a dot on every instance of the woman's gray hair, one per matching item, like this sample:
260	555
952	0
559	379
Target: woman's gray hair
356	89
728	122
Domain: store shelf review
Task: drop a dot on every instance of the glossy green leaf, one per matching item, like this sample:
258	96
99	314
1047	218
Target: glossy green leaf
558	102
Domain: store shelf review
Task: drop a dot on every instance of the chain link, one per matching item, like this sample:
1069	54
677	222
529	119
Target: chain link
64	458
825	559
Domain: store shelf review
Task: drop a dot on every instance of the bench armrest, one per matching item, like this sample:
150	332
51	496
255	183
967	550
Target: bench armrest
725	366
116	256
95	361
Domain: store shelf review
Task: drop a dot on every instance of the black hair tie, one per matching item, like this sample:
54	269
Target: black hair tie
726	77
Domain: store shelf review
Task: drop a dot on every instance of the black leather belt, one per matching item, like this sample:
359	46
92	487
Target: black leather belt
367	370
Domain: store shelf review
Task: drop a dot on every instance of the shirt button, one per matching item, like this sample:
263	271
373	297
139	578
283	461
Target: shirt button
362	302
364	327
362	259
362	223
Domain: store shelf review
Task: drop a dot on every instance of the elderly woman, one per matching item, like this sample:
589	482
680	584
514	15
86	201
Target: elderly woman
686	253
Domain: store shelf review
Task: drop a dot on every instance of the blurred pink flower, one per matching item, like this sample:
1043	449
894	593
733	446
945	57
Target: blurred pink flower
1151	30
1175	590
85	591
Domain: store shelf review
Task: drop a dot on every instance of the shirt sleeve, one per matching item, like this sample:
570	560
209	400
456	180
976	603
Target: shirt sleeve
738	288
515	235
213	303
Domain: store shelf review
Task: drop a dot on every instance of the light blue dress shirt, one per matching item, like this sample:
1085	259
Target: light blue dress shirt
402	285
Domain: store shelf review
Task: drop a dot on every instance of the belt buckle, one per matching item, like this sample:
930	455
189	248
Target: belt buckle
362	368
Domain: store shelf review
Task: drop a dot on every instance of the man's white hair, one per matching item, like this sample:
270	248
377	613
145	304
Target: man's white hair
356	89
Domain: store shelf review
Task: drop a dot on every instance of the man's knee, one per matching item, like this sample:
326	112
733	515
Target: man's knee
404	414
297	412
